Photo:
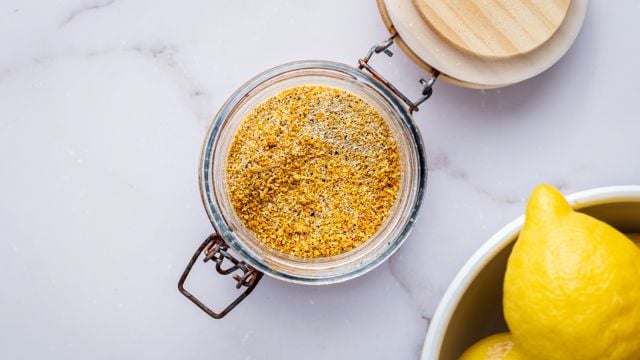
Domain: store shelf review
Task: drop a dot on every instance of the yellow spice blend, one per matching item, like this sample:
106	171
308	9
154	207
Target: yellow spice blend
313	171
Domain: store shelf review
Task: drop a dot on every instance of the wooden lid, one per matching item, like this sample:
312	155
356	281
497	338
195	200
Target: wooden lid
431	50
494	28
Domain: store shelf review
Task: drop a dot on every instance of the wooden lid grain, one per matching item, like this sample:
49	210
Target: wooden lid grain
462	67
494	28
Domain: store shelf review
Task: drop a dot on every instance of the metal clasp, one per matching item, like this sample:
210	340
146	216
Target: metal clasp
427	85
214	248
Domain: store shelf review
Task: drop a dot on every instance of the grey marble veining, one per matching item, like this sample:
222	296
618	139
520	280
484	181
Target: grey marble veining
103	105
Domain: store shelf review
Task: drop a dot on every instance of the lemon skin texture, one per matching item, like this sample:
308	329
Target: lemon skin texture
495	347
572	285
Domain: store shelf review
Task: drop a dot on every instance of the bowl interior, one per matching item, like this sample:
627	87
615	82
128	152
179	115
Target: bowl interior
479	311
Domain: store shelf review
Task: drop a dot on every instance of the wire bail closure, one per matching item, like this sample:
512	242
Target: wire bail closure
216	250
427	85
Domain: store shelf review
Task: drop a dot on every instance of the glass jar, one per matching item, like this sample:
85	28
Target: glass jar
253	257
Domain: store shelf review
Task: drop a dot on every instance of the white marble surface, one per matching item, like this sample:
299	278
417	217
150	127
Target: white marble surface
103	104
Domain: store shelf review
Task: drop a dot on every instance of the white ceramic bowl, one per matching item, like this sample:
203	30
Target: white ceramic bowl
471	308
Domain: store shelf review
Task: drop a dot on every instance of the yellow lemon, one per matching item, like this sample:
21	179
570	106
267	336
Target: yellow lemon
572	285
494	347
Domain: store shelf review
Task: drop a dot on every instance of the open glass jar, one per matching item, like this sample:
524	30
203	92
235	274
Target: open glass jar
254	258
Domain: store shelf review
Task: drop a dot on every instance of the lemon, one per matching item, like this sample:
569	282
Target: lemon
572	285
494	347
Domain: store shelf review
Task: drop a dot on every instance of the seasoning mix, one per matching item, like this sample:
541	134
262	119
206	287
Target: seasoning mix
313	171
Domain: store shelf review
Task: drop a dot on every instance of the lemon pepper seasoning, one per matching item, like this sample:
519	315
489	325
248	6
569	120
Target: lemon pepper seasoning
313	171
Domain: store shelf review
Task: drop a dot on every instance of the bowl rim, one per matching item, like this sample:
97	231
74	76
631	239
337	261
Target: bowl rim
497	242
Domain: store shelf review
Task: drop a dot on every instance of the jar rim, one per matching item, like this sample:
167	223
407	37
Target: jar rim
207	188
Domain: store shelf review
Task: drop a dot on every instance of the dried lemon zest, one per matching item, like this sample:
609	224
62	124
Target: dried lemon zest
313	171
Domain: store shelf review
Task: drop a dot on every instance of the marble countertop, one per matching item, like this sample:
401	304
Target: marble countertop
103	104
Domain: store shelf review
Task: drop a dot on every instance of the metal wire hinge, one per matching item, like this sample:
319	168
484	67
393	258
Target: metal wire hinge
215	249
427	85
